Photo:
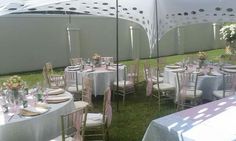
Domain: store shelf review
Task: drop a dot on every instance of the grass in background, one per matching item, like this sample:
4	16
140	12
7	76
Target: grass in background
132	119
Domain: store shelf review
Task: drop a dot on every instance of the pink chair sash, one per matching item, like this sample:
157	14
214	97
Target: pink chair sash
183	85
149	87
77	122
108	108
233	83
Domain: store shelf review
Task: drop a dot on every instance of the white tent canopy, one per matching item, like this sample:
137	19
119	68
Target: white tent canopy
171	14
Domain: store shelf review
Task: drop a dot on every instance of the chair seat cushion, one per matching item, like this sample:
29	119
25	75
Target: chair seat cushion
80	104
59	138
94	119
73	89
160	79
219	93
164	87
122	83
189	94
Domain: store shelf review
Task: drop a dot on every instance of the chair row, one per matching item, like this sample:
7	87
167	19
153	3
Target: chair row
185	93
70	81
80	124
79	61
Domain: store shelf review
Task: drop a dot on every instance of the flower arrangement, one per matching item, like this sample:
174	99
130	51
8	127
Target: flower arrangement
228	33
202	55
14	83
96	56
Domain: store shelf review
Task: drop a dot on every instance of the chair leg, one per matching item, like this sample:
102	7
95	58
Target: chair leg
124	98
159	100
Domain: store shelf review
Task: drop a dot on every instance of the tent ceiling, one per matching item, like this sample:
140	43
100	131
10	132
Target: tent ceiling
171	14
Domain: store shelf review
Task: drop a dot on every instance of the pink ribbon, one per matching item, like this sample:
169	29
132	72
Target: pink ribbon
149	87
108	108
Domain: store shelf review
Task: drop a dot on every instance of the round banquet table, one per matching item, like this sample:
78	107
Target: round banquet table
102	77
43	127
206	83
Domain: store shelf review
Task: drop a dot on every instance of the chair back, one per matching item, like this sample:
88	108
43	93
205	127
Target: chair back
48	68
146	69
73	124
53	80
71	79
107	109
187	81
87	90
229	83
75	61
107	59
128	74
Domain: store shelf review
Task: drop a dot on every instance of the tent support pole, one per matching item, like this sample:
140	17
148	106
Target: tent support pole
117	57
158	53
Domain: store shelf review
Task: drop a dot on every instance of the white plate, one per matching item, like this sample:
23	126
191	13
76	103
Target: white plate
33	111
55	91
72	67
229	70
173	66
230	67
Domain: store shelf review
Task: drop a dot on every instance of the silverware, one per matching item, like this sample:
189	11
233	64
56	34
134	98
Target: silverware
10	117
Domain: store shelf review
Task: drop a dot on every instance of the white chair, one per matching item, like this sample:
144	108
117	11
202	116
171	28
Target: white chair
151	73
134	71
188	94
53	80
73	126
228	86
97	124
72	84
162	91
86	94
107	60
125	86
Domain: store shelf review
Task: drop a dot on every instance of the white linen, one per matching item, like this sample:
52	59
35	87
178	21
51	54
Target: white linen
214	121
206	83
102	77
43	127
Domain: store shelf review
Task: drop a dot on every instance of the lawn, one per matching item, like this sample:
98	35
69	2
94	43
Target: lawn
129	123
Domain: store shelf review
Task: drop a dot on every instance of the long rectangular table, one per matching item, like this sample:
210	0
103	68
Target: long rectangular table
214	121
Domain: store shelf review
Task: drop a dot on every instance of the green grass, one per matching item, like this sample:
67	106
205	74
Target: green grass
132	119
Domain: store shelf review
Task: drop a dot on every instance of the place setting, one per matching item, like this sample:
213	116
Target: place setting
17	101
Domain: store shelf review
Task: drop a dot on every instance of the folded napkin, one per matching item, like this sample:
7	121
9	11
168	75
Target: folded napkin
229	70
89	70
178	70
111	68
230	67
55	91
57	99
118	65
72	67
173	66
33	111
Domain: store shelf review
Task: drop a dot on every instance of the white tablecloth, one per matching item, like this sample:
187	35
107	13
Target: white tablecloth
214	121
206	83
36	128
102	77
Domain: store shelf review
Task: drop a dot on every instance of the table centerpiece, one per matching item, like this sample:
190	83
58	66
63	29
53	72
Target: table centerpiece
202	56
228	33
14	87
96	60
